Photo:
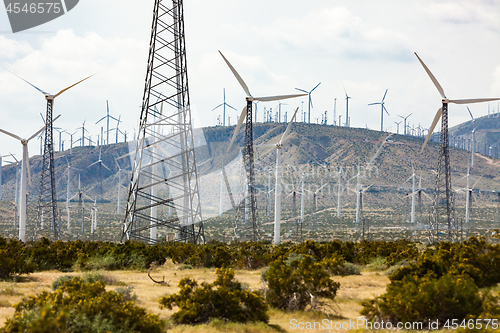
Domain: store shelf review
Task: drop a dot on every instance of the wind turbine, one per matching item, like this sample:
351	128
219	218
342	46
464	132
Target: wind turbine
224	108
444	151
277	192
404	118
107	116
82	142
382	111
246	113
47	183
100	171
473	137
468	193
310	103
25	168
347	97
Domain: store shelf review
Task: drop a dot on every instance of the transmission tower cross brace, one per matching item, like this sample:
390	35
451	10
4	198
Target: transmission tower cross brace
164	177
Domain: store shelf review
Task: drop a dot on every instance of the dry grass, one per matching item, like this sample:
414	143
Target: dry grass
353	290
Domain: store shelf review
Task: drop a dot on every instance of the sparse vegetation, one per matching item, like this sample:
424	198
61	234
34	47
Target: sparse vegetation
225	299
78	306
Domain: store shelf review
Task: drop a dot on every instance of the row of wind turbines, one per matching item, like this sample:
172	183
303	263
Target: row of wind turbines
443	151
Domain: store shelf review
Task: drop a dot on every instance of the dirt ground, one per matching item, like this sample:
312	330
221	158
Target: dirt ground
353	290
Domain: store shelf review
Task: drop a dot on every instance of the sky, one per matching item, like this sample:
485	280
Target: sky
363	46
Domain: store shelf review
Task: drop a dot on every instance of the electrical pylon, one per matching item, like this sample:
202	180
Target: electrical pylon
165	200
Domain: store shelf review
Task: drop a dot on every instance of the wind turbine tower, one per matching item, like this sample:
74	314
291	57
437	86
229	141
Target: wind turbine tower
246	115
47	202
444	213
310	103
404	119
107	116
23	192
347	97
382	111
224	108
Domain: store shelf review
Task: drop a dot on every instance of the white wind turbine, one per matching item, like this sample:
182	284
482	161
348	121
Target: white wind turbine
468	193
445	101
25	168
382	111
250	98
69	168
473	137
278	189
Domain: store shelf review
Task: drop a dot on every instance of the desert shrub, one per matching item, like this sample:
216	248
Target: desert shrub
351	269
212	254
13	258
475	257
60	280
184	266
422	298
377	264
127	293
78	306
395	267
293	283
223	299
255	255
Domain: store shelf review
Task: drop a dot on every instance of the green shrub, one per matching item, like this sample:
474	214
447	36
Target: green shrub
292	283
377	264
224	299
419	299
475	257
13	258
78	306
127	293
351	269
60	281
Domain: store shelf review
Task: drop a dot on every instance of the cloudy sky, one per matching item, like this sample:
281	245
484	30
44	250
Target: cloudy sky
365	46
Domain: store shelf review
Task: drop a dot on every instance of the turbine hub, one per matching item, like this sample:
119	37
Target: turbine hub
445	100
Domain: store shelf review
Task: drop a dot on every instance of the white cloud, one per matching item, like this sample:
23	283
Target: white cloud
10	48
336	31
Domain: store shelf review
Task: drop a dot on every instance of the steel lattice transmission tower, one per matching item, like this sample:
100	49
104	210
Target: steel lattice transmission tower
443	213
164	176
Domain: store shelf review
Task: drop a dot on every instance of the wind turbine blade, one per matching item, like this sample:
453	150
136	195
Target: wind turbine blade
477	181
26	158
42	129
231	107
470	113
289	126
428	197
218	106
374	103
238	77
237	129
40	90
266	145
105	166
307	92
101	119
431	129
475	100
315	87
10	134
385	110
378	151
93	164
277	98
384	95
434	80
59	93
123	156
